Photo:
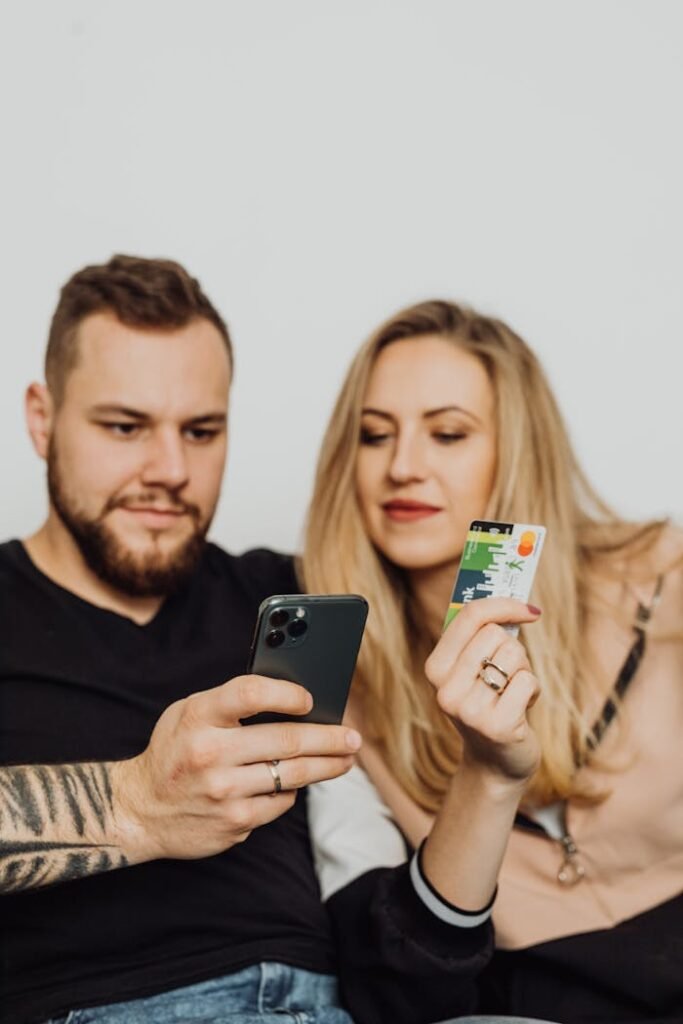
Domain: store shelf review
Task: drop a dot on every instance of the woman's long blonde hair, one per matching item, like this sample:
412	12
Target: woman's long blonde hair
538	480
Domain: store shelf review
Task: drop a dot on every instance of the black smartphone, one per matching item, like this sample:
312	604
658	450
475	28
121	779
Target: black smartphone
313	640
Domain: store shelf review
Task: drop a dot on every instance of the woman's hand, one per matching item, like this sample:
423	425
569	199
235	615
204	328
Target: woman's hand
489	706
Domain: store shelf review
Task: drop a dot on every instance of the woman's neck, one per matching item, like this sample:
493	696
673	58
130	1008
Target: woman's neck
431	590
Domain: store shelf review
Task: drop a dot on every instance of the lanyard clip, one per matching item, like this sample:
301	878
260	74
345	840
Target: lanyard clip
644	612
571	871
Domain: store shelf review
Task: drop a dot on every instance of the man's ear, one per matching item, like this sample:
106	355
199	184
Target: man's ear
40	412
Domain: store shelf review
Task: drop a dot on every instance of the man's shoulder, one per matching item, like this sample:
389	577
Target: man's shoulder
10	560
260	571
7	549
17	585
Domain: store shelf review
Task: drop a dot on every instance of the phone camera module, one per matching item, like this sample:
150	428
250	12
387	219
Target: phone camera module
297	628
275	638
279	617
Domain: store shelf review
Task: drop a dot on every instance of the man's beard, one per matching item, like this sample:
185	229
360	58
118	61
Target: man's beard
155	574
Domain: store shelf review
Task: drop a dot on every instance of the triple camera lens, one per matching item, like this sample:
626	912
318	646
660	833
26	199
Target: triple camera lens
275	638
280	618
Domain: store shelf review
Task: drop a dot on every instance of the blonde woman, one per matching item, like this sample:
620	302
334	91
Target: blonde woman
446	416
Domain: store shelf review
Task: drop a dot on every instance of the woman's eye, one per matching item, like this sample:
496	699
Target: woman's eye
448	436
372	437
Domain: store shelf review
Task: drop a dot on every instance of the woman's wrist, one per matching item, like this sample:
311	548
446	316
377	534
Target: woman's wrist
488	782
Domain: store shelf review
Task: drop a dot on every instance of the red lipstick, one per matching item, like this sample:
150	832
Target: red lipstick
402	510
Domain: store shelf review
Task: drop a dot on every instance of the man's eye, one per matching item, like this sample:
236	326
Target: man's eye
373	437
201	434
122	429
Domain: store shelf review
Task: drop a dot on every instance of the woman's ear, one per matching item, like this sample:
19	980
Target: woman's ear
39	408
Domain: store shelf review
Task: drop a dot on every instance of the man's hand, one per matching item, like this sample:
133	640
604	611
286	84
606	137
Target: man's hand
204	782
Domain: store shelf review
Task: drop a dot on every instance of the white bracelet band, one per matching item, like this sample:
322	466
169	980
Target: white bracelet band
439	907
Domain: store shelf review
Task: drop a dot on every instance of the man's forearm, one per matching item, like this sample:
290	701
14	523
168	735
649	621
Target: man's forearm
56	824
193	792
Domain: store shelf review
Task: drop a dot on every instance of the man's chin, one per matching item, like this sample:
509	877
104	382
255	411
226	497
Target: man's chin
142	566
122	551
146	531
143	544
153	575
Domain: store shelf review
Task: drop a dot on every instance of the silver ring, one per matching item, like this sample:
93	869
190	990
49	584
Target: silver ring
277	781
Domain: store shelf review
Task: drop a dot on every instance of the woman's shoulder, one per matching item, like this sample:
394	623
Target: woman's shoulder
668	562
668	552
643	567
640	551
662	555
657	574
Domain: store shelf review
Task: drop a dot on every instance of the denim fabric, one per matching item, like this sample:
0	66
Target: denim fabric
263	994
495	1020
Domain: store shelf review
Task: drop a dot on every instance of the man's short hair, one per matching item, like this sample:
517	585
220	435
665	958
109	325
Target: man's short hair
146	293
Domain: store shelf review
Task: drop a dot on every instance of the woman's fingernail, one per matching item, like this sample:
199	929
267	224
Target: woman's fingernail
353	739
533	609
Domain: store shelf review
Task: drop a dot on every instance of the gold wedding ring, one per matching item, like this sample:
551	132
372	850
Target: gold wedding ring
487	677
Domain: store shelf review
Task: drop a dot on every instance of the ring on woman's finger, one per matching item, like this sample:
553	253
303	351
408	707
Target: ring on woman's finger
277	781
490	663
497	683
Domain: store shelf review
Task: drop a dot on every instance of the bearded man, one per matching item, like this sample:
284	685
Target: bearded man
128	785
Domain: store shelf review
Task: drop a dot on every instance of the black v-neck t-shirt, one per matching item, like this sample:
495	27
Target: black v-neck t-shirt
80	683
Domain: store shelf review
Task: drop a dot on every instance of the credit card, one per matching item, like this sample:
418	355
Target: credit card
498	560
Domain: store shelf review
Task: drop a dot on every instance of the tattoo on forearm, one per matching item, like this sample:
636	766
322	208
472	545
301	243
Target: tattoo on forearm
55	825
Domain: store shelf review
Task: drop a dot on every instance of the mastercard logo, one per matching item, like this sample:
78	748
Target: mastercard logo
527	543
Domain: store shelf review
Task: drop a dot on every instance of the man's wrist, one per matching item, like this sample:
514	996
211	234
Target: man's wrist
130	833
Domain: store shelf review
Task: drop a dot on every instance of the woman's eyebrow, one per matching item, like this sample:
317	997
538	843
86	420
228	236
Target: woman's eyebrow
451	408
426	415
377	412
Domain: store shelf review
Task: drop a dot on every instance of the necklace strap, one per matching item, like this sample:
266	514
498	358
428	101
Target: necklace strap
628	669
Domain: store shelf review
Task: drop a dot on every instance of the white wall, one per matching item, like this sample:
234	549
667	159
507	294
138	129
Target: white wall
318	164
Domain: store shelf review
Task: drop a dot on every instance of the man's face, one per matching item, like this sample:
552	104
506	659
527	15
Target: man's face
138	447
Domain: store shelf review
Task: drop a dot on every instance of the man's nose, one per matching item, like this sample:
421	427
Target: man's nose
166	461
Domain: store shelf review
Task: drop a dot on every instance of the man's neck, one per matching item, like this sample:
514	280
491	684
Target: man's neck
55	553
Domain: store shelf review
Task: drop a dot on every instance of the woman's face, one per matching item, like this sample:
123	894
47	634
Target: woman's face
427	454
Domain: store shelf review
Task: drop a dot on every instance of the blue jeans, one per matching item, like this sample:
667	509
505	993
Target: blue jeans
496	1020
263	994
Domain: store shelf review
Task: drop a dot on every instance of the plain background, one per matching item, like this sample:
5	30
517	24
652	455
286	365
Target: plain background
320	164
